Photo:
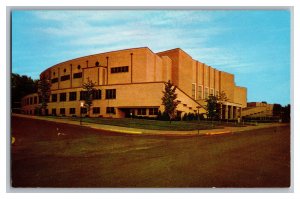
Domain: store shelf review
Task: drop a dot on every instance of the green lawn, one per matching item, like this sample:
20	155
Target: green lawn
155	124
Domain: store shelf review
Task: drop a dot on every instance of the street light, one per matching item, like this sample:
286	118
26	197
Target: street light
81	106
198	107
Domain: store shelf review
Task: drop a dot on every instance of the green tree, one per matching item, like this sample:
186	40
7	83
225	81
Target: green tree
44	92
169	100
211	107
222	97
89	90
277	110
286	113
21	86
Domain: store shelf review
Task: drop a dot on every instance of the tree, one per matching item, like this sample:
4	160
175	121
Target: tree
169	100
89	90
211	107
44	92
222	97
21	86
286	113
277	110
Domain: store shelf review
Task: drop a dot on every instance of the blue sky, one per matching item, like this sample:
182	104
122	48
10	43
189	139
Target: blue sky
254	45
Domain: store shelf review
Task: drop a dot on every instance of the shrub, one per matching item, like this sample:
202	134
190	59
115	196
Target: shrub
164	116
184	118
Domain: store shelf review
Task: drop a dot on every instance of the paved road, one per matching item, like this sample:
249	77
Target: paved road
49	154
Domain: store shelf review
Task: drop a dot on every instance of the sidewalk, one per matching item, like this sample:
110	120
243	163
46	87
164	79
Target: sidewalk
127	130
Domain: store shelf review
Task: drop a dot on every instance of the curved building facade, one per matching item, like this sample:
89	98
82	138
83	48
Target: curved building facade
131	81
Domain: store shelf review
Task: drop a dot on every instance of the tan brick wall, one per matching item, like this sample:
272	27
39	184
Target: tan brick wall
167	68
144	66
174	56
240	96
227	85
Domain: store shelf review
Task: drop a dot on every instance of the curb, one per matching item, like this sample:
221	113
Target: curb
219	133
142	131
122	131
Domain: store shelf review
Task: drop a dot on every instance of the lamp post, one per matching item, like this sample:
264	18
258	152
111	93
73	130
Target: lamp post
198	107
81	106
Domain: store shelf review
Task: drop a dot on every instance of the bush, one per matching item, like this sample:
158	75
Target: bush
190	116
184	118
164	116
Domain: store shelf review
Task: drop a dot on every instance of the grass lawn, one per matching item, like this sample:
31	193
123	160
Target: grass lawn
155	124
85	157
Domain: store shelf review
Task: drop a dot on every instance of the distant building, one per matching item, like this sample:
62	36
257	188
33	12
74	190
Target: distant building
131	81
258	110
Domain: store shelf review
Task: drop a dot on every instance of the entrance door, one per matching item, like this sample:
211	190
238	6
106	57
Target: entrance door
128	112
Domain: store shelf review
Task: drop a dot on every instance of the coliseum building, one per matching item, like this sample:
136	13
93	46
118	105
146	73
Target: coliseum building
131	81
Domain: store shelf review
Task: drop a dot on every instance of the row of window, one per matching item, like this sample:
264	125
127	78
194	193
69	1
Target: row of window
109	94
120	69
72	111
200	92
143	111
30	100
66	77
95	110
79	67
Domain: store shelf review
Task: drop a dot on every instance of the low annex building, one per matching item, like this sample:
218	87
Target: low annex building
258	110
131	81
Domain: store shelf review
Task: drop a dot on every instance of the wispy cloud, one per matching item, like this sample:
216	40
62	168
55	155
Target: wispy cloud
239	42
158	30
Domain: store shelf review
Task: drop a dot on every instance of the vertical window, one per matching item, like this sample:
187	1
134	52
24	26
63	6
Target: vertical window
53	111
31	101
62	111
96	110
82	95
54	97
142	111
217	93
153	111
72	110
62	97
200	92
110	94
206	93
97	94
72	96
35	99
110	110
193	90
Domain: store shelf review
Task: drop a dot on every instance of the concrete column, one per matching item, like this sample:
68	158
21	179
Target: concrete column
234	112
226	112
231	113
